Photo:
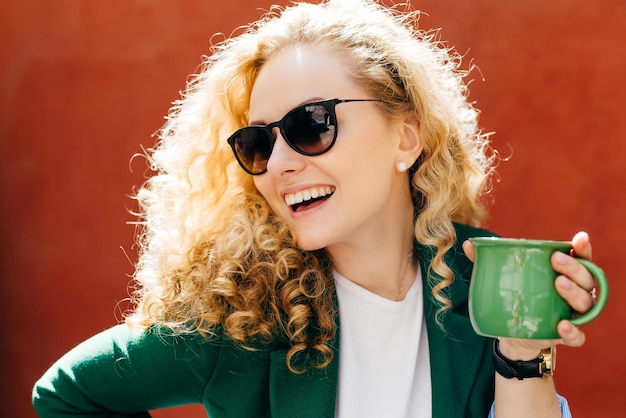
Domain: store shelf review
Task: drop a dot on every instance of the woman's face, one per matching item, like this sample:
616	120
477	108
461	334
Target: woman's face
358	188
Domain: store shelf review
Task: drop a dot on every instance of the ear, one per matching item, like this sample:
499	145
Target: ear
410	146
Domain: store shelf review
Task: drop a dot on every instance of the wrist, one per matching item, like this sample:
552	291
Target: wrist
542	363
513	351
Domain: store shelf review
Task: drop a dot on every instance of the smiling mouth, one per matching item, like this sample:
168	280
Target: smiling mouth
306	198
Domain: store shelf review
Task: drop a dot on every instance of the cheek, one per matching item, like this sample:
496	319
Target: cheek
264	185
371	142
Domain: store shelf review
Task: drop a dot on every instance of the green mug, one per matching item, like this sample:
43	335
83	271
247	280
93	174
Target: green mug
512	292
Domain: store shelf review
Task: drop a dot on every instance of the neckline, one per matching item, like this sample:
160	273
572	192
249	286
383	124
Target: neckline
363	293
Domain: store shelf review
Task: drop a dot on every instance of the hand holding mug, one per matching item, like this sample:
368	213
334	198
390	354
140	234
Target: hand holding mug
527	289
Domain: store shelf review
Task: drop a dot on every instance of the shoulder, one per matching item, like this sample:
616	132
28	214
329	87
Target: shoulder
121	366
464	232
456	258
147	348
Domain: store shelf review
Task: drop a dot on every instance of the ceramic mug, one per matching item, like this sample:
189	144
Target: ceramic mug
512	292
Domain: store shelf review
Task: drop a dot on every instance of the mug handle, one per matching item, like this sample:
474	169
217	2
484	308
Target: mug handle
603	296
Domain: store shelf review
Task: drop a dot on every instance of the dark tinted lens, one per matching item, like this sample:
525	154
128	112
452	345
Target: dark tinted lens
310	128
253	147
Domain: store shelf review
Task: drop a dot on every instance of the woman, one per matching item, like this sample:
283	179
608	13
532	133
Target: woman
304	238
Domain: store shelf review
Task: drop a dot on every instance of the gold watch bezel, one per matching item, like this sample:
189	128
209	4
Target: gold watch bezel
548	365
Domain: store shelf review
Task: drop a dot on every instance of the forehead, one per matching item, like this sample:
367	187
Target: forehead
300	74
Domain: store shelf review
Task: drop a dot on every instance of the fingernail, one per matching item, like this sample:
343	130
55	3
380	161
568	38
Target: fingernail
586	238
561	258
567	327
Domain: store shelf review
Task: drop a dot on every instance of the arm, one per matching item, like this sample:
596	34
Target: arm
121	373
565	411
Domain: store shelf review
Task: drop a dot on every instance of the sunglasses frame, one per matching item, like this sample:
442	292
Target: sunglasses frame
328	104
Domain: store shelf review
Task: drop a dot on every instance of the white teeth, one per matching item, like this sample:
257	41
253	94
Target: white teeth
308	194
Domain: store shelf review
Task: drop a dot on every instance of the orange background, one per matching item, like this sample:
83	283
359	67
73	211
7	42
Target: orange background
86	83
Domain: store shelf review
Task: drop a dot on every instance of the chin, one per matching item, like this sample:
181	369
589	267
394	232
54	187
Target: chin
310	244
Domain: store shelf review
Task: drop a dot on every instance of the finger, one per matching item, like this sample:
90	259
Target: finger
570	335
578	298
568	266
468	247
582	245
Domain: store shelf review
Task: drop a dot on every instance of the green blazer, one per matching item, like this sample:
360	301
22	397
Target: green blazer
118	373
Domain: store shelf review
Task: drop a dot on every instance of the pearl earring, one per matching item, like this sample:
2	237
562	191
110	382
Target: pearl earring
402	166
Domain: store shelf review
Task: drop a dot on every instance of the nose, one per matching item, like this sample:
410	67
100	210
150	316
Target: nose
284	159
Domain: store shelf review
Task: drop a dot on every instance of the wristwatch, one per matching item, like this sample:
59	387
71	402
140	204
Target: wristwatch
545	363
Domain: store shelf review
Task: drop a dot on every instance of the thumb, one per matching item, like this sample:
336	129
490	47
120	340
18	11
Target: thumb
468	248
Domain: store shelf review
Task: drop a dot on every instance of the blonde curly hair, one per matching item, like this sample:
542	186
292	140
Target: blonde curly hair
215	258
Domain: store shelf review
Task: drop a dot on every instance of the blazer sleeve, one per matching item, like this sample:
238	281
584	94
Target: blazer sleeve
122	373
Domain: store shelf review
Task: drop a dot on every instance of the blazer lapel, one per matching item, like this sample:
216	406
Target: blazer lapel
308	395
457	353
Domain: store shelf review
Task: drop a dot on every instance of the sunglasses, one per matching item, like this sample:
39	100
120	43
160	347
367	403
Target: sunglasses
309	129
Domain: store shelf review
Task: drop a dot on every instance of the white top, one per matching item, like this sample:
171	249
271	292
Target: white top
384	365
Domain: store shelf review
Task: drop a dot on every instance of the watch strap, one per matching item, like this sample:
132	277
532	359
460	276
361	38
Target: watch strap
520	369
